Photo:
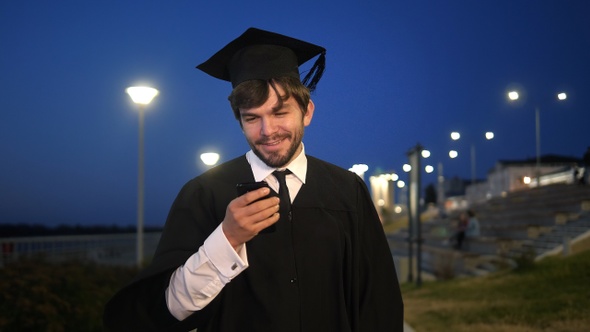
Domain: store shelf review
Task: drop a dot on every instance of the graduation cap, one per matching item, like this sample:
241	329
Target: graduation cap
259	54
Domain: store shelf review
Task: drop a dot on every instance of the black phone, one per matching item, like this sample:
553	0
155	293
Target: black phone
245	187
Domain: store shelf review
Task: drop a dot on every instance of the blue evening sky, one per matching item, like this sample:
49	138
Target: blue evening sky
398	73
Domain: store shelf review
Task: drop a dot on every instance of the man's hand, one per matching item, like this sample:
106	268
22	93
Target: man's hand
244	219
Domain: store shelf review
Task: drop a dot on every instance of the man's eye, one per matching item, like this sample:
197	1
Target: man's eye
249	119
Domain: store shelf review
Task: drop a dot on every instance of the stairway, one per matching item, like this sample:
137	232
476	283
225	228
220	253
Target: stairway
533	222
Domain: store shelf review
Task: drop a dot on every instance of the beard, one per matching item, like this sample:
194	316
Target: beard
276	159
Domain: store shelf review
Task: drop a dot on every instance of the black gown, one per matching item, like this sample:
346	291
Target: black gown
329	269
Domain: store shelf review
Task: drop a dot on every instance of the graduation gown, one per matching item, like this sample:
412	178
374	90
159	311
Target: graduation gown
328	269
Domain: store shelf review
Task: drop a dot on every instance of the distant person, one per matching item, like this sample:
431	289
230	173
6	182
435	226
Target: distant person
459	235
315	258
472	225
578	176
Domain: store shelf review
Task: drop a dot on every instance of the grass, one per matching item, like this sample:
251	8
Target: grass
551	295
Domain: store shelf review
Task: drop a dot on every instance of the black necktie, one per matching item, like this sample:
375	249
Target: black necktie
285	205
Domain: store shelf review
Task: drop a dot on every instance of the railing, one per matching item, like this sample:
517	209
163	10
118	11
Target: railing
111	249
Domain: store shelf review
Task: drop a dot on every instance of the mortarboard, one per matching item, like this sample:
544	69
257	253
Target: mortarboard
259	54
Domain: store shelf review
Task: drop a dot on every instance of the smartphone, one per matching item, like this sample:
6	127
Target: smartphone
245	187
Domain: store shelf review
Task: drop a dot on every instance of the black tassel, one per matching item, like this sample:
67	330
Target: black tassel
315	73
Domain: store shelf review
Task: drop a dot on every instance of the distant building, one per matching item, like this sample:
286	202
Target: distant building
506	176
512	175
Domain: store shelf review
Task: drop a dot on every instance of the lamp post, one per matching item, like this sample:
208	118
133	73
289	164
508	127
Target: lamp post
440	190
141	96
453	153
414	229
514	95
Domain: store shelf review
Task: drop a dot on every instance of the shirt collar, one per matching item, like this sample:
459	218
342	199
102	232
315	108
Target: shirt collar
260	170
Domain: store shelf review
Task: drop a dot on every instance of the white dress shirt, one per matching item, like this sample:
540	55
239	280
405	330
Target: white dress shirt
196	283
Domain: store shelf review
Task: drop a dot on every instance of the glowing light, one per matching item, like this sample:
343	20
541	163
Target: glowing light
489	135
401	184
425	153
513	95
526	180
453	154
429	169
359	169
142	95
407	167
210	158
455	135
389	177
561	96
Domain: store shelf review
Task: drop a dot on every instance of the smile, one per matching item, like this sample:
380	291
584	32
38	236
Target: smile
271	141
274	142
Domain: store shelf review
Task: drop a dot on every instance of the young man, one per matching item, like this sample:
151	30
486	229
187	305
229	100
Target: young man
315	260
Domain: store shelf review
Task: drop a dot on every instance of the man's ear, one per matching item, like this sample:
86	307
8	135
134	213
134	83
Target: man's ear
309	114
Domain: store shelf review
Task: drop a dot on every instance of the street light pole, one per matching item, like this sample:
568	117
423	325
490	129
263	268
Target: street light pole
140	186
538	146
513	95
472	163
415	230
141	96
453	154
441	190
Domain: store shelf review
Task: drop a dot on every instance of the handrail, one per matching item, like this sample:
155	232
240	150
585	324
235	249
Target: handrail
110	249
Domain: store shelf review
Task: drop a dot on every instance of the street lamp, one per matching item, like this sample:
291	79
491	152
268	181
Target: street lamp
514	95
440	197
453	153
142	96
359	169
210	158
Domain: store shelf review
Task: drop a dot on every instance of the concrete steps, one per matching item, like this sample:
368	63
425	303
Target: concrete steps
525	223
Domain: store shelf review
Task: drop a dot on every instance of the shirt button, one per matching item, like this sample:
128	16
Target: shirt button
294	280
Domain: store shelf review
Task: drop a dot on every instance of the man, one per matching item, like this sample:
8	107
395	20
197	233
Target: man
315	260
473	229
459	236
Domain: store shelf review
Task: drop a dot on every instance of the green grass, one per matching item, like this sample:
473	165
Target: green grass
552	295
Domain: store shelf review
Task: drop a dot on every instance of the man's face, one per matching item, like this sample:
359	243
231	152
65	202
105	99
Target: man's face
273	133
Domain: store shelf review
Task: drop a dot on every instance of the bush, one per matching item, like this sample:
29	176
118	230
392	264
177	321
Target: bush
526	259
444	265
70	296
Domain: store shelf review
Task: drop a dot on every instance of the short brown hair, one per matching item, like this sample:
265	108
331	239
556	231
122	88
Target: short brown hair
254	93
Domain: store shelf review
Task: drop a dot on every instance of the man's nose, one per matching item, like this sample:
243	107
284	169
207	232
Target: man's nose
268	126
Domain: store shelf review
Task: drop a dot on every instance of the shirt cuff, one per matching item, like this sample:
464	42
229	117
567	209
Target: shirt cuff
222	255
